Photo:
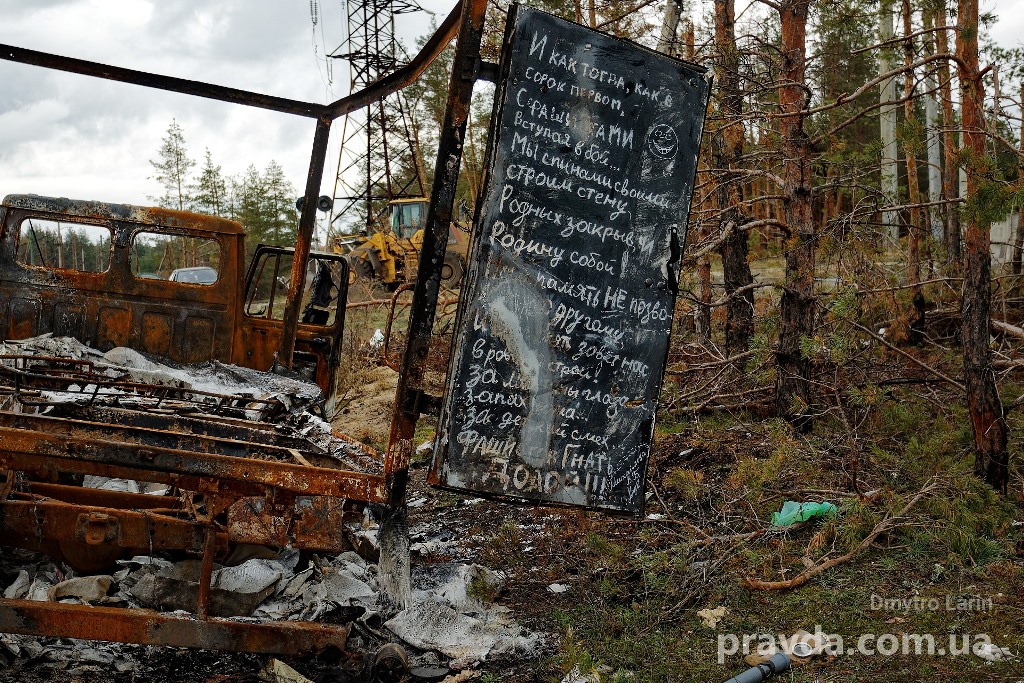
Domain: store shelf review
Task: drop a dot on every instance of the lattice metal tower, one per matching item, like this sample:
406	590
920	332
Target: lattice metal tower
376	138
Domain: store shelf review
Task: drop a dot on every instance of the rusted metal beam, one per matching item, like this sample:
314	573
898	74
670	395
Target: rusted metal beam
375	91
90	385
315	523
81	495
435	243
142	436
302	241
23	521
150	80
40	451
172	630
150	522
219	427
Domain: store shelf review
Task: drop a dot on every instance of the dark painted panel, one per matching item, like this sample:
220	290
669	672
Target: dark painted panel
564	330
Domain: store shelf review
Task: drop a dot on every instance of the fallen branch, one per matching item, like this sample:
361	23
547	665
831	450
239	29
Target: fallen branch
736	394
668	513
748	536
728	408
1008	329
1000	326
919	363
867	497
887	524
387	302
710	365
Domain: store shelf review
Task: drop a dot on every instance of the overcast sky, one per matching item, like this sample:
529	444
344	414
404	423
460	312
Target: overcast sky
74	136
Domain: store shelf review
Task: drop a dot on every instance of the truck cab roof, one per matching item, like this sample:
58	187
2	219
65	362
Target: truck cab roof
124	212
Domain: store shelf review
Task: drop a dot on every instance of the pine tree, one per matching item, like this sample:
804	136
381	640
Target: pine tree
988	416
793	389
282	218
173	168
265	204
210	191
247	205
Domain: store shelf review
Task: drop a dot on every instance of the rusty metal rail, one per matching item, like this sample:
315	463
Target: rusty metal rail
34	380
171	630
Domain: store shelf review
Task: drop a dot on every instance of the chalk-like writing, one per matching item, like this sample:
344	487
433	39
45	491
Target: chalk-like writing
569	318
518	246
558	364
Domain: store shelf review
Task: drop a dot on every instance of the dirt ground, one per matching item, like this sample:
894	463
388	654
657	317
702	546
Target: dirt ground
620	597
621	604
365	413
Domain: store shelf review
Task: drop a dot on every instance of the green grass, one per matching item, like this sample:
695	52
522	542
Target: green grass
637	617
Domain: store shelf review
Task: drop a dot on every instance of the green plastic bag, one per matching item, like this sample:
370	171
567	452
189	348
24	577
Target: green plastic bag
793	512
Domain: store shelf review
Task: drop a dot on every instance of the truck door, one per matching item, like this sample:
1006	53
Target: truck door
321	314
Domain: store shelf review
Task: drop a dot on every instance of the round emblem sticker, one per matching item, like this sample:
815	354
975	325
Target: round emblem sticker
663	141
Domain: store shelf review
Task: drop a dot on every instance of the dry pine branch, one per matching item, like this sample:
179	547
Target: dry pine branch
887	524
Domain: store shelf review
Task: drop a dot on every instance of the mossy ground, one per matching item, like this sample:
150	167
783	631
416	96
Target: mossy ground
636	585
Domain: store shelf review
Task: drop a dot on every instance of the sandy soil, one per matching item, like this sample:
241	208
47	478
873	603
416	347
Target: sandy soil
365	413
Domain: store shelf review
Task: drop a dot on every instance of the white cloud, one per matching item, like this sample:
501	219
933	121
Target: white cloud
29	123
69	135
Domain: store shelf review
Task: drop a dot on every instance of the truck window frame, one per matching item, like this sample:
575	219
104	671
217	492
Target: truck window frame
259	257
167	231
78	220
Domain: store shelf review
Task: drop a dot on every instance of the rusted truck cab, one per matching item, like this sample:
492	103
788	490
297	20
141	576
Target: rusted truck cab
170	283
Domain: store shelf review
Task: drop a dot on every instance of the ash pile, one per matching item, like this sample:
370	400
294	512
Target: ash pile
211	526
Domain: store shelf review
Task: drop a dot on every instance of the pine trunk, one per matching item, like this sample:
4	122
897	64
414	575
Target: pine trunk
950	166
1018	238
988	418
933	132
728	150
916	225
887	127
792	384
702	314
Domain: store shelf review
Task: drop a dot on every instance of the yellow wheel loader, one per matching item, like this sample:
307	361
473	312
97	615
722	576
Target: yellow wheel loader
389	253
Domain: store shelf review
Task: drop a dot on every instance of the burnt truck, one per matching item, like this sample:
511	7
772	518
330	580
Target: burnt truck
235	466
173	284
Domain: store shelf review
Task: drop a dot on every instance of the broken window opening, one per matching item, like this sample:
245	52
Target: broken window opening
268	292
65	245
177	258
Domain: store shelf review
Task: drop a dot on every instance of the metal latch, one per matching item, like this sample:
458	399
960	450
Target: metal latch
97	528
